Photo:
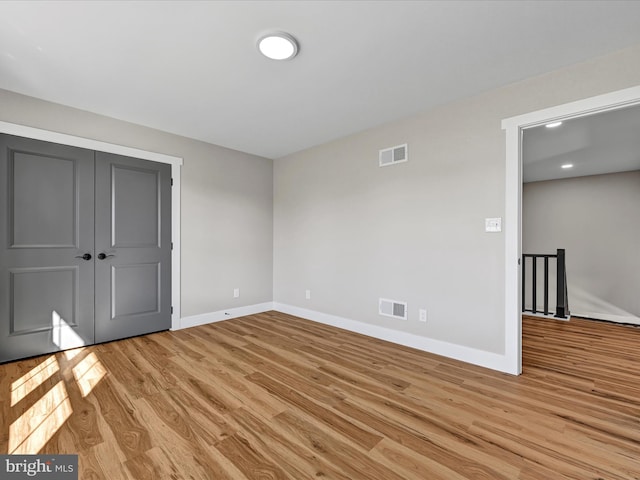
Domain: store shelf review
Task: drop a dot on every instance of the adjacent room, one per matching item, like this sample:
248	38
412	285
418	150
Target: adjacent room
272	239
581	192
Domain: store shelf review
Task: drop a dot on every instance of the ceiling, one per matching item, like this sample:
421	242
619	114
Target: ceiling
192	68
607	142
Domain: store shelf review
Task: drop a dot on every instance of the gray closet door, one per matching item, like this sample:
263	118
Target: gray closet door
133	247
46	226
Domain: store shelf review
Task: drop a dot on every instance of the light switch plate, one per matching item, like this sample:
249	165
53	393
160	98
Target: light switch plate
493	225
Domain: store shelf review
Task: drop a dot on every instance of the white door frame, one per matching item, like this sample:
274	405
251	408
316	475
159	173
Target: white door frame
175	162
513	201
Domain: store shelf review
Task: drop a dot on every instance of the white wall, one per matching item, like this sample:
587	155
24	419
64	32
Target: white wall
227	198
353	232
597	220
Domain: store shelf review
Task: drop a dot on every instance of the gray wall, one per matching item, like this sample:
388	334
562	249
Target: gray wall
353	232
227	203
597	220
344	228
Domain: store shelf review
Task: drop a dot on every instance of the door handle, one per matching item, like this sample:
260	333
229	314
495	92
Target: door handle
102	256
86	256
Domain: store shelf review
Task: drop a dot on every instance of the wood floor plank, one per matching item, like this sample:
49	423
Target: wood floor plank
411	464
236	389
336	422
119	413
293	457
249	461
83	424
189	452
345	456
153	464
135	382
272	396
441	443
312	382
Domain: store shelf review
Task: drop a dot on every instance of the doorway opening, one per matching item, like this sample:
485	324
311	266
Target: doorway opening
581	191
514	128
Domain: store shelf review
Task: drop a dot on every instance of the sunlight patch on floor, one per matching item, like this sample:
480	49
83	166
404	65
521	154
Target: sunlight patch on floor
71	354
88	373
35	427
33	379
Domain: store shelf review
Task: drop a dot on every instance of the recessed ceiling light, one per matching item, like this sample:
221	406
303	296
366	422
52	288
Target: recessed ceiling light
553	125
567	165
278	46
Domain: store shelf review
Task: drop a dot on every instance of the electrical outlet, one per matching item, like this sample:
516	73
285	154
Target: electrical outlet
307	294
423	315
236	292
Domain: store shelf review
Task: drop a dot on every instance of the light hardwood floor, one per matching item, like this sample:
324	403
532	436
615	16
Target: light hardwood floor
272	396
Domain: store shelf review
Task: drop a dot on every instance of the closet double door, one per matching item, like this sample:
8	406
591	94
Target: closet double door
85	247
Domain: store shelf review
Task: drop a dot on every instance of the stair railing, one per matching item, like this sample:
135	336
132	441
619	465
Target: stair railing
562	298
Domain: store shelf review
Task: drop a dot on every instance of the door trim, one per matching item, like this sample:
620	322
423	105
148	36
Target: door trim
90	144
513	201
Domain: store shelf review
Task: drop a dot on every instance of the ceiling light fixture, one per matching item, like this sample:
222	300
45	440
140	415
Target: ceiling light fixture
553	125
567	165
278	46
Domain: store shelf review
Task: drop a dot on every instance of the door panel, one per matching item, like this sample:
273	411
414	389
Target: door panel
135	289
56	288
50	222
133	227
139	226
46	293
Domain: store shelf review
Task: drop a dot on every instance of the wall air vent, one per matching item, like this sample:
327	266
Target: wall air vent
392	308
393	155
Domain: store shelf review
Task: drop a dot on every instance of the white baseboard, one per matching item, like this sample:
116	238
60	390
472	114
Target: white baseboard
481	358
195	320
626	319
474	356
